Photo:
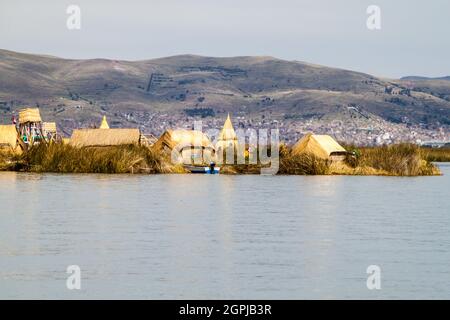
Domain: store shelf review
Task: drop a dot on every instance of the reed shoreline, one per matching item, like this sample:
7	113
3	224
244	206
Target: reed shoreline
393	160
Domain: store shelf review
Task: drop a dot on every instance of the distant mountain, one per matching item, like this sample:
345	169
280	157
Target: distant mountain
424	78
78	92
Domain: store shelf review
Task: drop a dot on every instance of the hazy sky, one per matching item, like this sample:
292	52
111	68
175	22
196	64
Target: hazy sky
414	38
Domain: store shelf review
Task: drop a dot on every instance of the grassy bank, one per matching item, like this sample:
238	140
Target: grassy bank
437	154
63	158
8	161
393	160
397	160
303	164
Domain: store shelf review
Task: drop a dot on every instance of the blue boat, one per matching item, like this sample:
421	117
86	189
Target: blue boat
211	169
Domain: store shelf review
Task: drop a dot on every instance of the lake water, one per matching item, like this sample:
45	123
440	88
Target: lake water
224	237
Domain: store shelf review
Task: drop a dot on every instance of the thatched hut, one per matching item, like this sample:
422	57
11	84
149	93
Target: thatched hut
227	141
49	130
190	146
104	124
104	137
10	140
322	146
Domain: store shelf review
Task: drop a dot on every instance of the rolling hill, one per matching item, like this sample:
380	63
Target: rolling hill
164	92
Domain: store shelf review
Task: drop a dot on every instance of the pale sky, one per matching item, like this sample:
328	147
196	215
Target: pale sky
414	38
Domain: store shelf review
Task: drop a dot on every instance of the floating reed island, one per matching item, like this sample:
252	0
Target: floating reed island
35	146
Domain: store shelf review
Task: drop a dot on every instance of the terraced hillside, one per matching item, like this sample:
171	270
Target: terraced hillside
170	91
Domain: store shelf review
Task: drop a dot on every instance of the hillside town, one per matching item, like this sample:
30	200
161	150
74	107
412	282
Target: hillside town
349	126
359	131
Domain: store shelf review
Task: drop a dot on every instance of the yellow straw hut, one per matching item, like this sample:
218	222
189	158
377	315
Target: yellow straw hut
10	140
191	146
322	146
49	130
104	137
104	124
227	138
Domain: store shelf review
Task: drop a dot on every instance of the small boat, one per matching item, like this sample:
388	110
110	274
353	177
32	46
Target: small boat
211	169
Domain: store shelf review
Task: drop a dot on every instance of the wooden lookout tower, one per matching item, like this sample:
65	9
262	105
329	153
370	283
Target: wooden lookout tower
30	126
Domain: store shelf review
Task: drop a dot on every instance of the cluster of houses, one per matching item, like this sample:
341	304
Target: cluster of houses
190	144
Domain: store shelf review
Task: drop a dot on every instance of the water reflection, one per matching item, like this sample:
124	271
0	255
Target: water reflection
195	236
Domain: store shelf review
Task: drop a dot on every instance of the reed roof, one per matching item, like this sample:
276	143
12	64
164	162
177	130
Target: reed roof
321	146
182	138
29	115
227	132
104	124
104	137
